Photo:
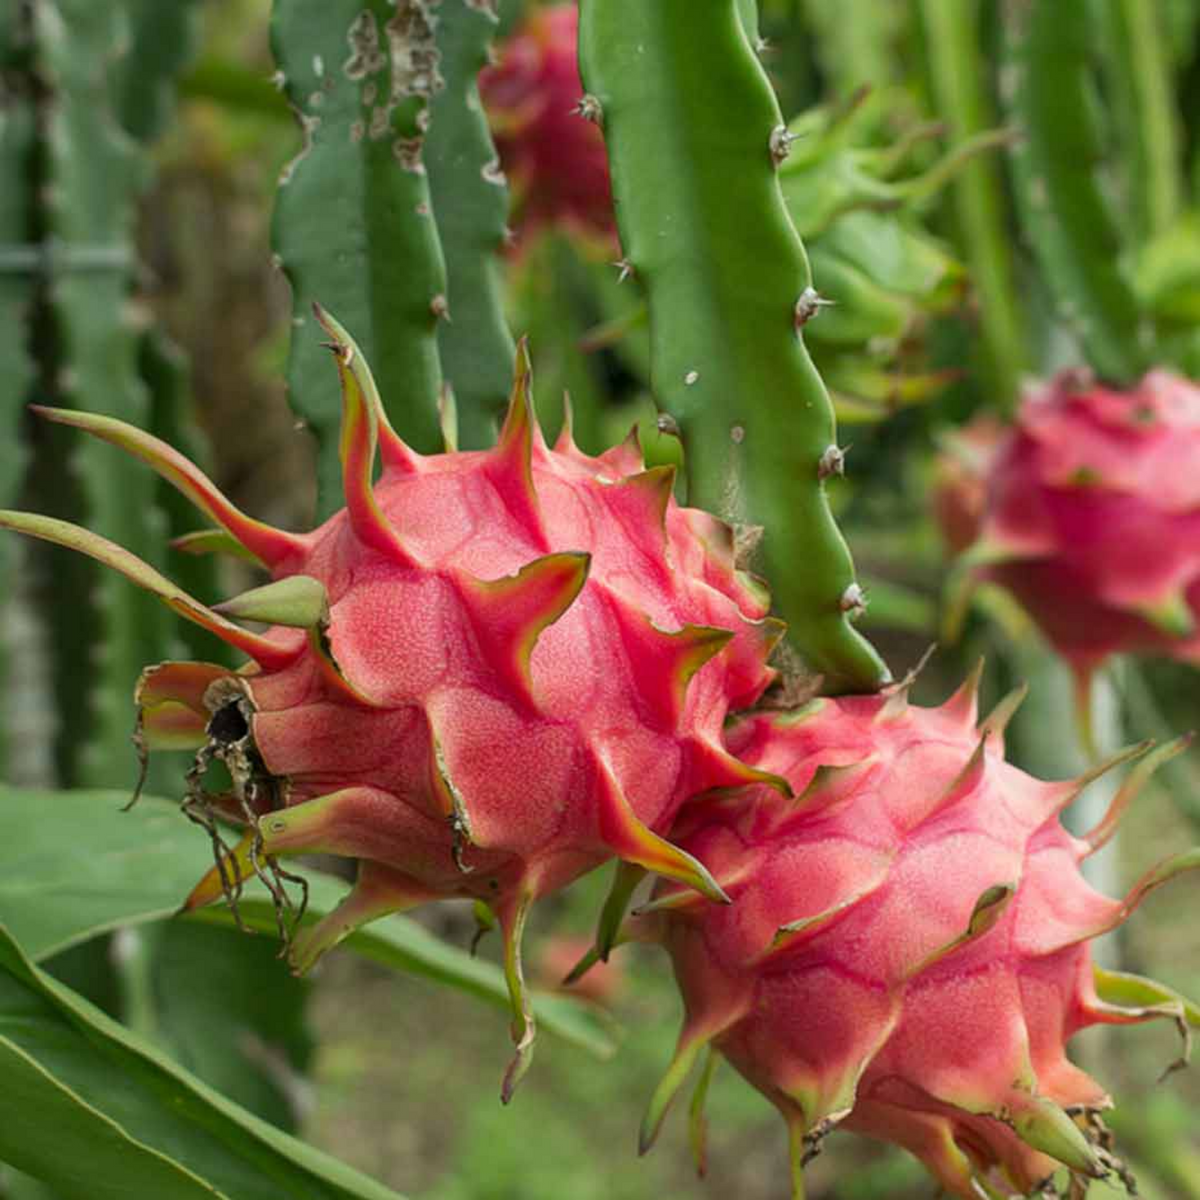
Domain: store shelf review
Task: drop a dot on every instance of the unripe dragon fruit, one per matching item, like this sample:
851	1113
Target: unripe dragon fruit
1093	518
907	950
490	672
556	163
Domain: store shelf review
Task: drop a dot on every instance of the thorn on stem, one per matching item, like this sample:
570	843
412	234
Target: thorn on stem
781	144
853	601
589	109
809	305
832	462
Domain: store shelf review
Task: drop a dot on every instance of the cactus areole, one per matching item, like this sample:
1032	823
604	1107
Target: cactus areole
907	950
488	673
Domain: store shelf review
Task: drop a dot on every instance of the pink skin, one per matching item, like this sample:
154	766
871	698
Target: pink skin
883	1014
554	159
1095	499
527	772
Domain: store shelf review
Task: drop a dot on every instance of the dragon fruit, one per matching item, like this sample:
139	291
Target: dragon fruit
555	162
1093	518
907	949
488	673
960	481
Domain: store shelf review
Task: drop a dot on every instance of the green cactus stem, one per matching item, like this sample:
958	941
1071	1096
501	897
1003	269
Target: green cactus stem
1049	88
957	82
695	138
1144	107
86	338
17	131
470	202
162	38
354	225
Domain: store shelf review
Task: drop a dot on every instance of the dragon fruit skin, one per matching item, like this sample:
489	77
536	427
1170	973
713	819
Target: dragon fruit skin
907	952
1093	518
490	672
555	162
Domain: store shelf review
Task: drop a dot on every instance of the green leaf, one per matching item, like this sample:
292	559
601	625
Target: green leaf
101	1115
228	1008
403	945
73	865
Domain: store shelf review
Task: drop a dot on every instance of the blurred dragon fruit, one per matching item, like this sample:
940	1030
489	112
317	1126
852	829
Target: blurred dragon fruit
960	482
907	951
554	161
488	673
1092	518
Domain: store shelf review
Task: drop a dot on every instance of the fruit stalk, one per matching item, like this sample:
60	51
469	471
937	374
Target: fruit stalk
695	138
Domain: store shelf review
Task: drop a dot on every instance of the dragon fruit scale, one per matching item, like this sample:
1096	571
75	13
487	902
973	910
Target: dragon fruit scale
488	673
907	951
1092	518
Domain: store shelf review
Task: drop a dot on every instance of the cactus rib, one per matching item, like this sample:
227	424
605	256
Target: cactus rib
354	226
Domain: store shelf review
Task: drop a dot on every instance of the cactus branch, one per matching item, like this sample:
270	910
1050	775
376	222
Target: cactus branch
470	201
956	69
1074	233
688	120
354	225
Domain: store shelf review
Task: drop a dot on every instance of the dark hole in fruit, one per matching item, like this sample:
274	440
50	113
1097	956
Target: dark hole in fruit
228	724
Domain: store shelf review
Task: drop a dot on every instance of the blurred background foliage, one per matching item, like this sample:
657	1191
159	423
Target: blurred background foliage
137	278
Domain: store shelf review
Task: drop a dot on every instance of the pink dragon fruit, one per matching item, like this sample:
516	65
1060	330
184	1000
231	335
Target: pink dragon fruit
555	162
1093	518
960	481
907	949
488	673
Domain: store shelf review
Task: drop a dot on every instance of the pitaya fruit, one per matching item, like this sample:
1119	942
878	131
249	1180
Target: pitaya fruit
555	162
907	949
1093	518
960	480
488	673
